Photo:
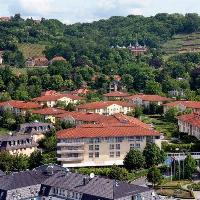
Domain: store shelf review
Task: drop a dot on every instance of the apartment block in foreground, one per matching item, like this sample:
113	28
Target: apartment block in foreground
102	144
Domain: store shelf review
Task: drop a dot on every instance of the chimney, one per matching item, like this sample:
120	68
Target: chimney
86	180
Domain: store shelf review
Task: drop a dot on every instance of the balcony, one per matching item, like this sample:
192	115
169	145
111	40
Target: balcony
63	144
66	151
71	159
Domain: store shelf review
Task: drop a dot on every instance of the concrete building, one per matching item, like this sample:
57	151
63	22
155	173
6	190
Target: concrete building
190	124
112	96
106	107
51	99
102	144
181	106
145	100
19	107
18	144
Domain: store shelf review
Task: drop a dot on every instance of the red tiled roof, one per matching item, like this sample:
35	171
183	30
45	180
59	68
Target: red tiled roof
20	104
116	94
48	92
55	97
187	104
103	104
49	111
116	130
193	119
152	98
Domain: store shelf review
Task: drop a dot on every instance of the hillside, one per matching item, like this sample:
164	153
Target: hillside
183	43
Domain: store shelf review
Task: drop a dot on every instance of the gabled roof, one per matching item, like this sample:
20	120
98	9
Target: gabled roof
103	104
80	91
49	111
193	119
58	58
152	98
187	104
106	130
116	94
55	97
20	104
98	187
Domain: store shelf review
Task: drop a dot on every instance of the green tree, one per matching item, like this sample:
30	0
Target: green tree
5	96
171	114
20	162
153	155
6	161
190	166
138	111
153	87
134	160
118	173
154	176
35	159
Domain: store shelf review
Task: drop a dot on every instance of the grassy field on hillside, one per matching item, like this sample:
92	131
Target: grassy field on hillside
30	50
183	42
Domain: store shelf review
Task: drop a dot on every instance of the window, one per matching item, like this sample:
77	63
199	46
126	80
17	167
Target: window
112	146
96	154
132	146
97	147
90	147
117	146
112	154
90	155
137	145
138	138
118	154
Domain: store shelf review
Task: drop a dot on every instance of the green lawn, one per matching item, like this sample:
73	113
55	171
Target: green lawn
30	50
167	128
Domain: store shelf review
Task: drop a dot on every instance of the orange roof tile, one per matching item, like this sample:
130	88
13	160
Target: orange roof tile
116	94
20	104
55	97
116	130
193	119
80	91
58	58
187	104
103	104
49	111
153	98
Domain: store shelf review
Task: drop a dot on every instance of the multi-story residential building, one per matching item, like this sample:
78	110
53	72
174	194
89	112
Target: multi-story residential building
18	144
101	144
145	100
54	182
35	129
112	96
82	187
181	106
19	107
190	124
106	107
49	113
50	100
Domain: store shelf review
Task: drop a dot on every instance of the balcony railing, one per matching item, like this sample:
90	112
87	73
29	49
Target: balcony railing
66	151
65	144
80	158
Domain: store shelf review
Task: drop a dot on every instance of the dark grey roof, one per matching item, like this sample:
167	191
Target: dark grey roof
97	187
50	168
21	179
15	137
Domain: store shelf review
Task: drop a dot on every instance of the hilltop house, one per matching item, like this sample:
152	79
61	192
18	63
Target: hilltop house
181	106
106	107
145	100
111	96
37	61
50	99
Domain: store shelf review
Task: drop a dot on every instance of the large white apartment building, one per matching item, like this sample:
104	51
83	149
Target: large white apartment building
101	144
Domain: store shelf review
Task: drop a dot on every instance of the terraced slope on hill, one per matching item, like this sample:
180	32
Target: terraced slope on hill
183	43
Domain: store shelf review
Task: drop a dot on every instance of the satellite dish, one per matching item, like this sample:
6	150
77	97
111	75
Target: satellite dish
92	175
10	133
